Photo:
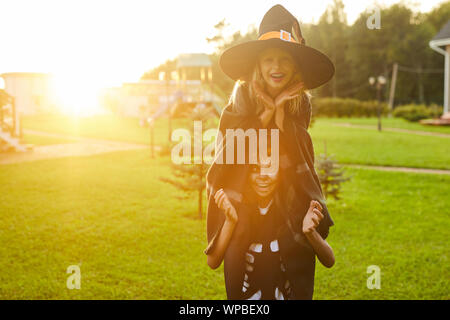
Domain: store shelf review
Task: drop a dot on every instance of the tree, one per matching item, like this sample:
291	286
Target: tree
330	36
222	43
191	178
439	16
330	175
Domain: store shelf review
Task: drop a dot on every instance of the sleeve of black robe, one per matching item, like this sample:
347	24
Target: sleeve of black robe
302	139
325	224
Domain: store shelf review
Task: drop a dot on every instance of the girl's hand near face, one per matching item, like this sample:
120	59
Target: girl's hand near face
224	204
276	105
288	94
312	217
280	101
269	103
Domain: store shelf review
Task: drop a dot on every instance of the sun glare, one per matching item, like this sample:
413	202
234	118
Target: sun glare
76	96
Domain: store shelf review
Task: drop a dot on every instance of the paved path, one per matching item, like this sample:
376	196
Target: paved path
78	138
400	169
421	133
87	146
80	147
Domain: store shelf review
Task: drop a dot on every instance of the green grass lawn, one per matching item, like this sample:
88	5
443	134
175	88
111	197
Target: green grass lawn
110	127
348	145
134	239
370	147
390	123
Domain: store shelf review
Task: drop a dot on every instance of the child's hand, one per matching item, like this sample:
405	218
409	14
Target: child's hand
224	204
312	217
269	103
290	93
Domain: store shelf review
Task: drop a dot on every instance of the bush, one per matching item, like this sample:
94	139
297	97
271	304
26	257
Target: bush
346	107
331	175
416	112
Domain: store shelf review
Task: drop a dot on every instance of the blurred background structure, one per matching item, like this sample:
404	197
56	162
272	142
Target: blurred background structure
441	44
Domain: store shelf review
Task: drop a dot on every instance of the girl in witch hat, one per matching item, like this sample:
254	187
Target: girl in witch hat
272	74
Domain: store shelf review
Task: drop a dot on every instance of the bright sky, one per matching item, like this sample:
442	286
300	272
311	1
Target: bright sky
107	42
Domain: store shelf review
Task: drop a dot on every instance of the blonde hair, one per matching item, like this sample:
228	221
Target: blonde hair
294	105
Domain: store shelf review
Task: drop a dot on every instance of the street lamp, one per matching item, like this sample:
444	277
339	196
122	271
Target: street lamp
151	122
378	83
165	75
381	80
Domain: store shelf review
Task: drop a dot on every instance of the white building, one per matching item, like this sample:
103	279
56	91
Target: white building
33	92
149	96
133	99
441	43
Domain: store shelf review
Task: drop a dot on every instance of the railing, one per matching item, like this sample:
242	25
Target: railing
7	113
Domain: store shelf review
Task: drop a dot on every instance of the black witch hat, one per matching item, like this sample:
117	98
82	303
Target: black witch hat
278	28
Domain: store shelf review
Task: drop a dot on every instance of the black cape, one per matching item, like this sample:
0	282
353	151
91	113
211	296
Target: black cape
299	184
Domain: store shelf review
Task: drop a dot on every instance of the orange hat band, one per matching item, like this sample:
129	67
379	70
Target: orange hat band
283	35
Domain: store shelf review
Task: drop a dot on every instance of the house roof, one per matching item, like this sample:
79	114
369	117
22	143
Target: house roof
193	60
444	33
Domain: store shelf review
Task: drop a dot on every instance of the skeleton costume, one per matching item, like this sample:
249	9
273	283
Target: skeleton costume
268	256
265	274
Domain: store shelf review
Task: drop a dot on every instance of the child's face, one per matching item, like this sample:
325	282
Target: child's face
277	68
263	185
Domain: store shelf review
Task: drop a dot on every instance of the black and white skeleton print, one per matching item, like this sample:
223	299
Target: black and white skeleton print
265	277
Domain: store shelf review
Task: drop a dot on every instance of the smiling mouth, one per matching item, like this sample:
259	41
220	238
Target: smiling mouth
277	77
264	185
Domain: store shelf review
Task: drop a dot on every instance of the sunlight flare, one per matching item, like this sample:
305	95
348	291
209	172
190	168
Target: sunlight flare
76	95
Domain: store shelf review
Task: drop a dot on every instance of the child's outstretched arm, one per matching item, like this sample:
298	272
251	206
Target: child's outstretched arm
323	250
215	257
